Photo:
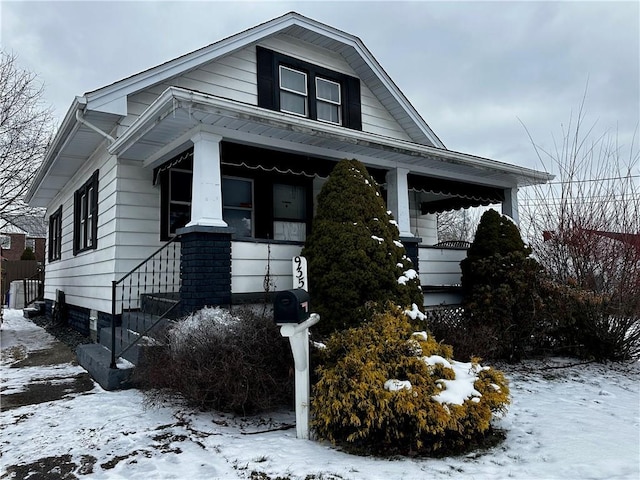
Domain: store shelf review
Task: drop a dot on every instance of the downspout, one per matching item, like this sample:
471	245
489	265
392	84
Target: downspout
81	120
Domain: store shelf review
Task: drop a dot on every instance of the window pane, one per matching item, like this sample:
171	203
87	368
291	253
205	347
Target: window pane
240	220
293	80
289	202
236	193
179	216
329	112
326	90
180	186
290	102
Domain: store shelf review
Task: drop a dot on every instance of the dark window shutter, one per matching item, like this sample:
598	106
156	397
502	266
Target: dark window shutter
94	210
76	222
353	110
267	79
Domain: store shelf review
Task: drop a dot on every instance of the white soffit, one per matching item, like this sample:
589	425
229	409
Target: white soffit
166	125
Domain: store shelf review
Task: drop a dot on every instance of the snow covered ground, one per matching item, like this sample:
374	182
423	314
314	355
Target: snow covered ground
580	422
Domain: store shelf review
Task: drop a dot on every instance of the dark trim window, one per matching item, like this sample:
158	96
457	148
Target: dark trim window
293	91
289	85
55	235
258	200
237	205
85	216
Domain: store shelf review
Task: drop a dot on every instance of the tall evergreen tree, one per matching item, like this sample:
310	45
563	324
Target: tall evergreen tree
353	251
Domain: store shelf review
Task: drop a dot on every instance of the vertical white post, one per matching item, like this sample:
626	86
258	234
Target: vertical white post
302	387
398	199
299	339
206	197
510	204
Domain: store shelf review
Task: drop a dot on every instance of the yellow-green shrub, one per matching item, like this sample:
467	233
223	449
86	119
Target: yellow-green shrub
351	406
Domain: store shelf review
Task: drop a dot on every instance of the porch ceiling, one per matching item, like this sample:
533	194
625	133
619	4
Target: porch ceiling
166	127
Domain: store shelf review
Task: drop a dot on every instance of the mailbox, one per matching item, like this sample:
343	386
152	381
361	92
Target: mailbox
291	306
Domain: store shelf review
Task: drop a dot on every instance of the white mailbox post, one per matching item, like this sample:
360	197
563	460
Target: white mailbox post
299	339
291	312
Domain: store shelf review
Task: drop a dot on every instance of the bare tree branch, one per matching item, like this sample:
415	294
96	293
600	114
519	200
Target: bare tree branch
26	129
585	227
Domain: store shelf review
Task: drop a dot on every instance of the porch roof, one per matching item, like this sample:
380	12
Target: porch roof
167	126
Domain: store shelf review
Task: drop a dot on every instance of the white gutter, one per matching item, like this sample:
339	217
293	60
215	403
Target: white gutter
84	122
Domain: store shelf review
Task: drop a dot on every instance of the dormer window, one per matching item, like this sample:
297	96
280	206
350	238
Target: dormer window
293	91
328	98
293	86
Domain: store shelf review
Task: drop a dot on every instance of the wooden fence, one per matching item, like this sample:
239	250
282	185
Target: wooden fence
16	270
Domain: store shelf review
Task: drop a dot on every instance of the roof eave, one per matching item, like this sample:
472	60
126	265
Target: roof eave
175	97
64	132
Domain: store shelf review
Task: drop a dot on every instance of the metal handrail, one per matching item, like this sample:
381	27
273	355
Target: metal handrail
141	271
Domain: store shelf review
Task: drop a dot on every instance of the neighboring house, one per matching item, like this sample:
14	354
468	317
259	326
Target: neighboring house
226	148
19	232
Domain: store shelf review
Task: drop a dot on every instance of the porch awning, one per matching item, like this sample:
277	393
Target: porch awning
440	195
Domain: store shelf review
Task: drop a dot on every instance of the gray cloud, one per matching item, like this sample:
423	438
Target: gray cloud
471	69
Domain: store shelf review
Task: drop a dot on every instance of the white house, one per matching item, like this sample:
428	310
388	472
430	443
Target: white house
225	149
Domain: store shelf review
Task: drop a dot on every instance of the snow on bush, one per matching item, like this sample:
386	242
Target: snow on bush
385	388
354	251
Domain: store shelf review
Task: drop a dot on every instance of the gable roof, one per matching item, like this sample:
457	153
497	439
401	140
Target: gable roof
112	98
93	118
35	227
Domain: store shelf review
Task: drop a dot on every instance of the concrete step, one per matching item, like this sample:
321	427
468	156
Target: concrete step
126	337
161	304
142	321
96	359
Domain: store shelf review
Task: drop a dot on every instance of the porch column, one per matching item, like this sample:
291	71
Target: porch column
205	267
398	199
206	200
510	204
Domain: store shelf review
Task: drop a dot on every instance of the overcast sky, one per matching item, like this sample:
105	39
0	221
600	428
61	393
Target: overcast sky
473	70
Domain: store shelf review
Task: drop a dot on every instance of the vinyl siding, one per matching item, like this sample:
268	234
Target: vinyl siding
440	266
235	77
249	264
138	217
86	278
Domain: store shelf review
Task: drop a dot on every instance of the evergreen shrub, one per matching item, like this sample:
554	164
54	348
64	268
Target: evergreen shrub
219	360
28	254
353	251
383	389
500	287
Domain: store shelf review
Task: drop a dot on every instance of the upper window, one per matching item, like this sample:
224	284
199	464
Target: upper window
328	101
55	235
85	216
293	86
293	91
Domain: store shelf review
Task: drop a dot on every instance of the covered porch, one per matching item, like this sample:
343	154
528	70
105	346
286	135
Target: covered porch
216	146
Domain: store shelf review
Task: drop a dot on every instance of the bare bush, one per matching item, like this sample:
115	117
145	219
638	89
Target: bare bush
584	228
218	360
